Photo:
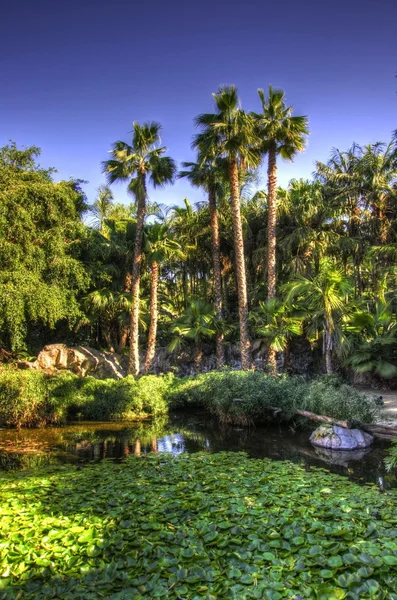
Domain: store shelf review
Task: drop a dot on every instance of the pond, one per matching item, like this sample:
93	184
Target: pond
182	432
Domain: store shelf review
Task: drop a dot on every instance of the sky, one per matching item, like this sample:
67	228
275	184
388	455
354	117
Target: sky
75	75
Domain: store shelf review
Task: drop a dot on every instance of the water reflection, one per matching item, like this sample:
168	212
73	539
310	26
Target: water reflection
181	432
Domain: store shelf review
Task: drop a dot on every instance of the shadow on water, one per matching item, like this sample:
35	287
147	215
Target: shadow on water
182	432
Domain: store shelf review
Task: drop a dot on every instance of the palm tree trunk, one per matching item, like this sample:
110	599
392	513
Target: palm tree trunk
198	355
151	346
328	349
245	344
216	260
271	237
133	364
123	333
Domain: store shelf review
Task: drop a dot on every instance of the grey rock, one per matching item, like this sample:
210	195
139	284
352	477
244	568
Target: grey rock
338	438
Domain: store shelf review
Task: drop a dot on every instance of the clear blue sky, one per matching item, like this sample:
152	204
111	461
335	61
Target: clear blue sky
74	75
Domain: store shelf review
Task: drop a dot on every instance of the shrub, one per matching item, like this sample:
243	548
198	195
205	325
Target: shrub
30	398
23	398
340	401
94	399
249	397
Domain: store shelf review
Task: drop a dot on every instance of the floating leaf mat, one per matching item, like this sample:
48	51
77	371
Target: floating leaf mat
196	526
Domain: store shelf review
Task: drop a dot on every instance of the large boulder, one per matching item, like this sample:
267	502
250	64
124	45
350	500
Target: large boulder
81	360
339	438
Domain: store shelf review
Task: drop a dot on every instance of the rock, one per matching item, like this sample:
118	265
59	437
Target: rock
81	360
338	438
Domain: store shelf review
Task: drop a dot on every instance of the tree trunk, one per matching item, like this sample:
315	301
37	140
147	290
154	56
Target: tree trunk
198	355
216	259
328	349
245	344
133	364
383	226
151	345
271	237
123	333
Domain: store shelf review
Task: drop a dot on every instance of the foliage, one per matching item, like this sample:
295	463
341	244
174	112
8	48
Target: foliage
195	526
94	399
391	459
23	398
30	398
246	398
371	342
41	232
65	278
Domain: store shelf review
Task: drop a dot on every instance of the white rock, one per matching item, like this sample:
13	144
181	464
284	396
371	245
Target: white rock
338	438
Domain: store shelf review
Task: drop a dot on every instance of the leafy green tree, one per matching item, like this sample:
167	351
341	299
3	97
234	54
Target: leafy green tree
324	300
230	133
282	135
136	163
41	235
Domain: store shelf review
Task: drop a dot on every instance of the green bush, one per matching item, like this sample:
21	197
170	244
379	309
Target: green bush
249	397
23	398
30	398
93	399
335	399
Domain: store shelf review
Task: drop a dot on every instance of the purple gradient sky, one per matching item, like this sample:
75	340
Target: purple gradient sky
74	75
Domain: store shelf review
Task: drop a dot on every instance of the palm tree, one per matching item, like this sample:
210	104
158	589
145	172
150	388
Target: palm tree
371	342
283	135
159	246
136	162
101	207
274	322
378	169
197	324
207	175
323	299
230	133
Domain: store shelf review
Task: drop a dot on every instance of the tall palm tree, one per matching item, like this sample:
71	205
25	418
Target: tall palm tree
323	298
207	175
230	133
283	135
159	246
136	163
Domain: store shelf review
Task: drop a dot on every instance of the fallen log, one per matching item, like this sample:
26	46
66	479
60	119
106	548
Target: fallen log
323	419
378	430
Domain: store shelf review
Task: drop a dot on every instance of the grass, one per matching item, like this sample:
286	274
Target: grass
195	527
246	398
30	398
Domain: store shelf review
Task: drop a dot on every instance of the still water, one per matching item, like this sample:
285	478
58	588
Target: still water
182	432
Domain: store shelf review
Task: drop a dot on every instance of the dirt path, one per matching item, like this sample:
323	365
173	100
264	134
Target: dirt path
389	409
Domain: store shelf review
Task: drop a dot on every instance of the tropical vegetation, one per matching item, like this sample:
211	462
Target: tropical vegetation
31	398
266	271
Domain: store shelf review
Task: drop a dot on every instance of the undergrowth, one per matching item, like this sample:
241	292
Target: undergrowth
31	398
